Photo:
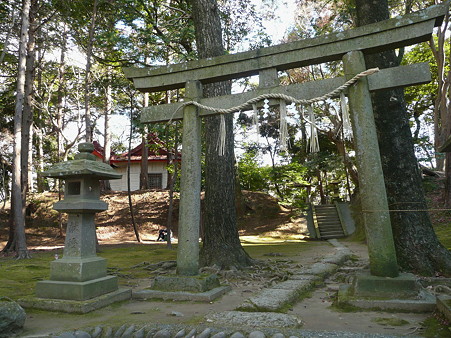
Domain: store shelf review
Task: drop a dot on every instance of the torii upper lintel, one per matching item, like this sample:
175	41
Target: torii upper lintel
381	36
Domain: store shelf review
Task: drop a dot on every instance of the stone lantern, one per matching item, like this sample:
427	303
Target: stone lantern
80	274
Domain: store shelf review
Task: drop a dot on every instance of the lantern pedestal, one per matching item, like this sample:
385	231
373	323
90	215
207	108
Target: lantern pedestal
76	290
80	276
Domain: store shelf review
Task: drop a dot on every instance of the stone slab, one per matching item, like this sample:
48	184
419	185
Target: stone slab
206	296
76	290
423	302
198	283
444	306
269	300
403	286
255	319
305	277
340	256
297	285
320	269
73	306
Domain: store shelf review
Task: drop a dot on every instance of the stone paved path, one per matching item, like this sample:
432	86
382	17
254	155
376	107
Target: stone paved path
257	317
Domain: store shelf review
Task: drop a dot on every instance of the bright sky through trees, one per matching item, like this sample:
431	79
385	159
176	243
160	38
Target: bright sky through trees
276	24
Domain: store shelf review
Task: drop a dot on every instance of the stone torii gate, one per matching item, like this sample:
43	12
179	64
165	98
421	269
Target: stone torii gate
349	46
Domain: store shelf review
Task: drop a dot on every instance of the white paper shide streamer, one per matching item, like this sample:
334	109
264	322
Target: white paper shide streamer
222	136
283	125
313	139
347	129
255	121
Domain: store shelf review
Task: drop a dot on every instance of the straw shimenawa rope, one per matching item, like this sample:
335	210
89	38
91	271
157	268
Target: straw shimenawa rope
287	98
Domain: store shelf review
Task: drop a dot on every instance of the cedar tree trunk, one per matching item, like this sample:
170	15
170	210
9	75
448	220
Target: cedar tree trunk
417	247
17	203
221	243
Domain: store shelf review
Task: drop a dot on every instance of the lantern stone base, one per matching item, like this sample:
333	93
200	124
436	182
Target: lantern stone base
78	269
76	290
75	306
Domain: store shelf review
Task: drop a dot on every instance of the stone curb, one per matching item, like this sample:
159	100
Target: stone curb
176	331
276	298
206	296
255	319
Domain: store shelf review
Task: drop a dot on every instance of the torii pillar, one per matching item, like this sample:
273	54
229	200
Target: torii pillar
384	280
189	215
381	247
187	283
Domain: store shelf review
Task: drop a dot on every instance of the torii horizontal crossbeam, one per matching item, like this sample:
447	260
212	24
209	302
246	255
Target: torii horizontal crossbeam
386	78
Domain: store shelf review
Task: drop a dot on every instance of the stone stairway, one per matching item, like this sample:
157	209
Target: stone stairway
327	221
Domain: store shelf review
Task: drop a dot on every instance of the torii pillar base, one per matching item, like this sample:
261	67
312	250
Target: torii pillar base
402	293
203	288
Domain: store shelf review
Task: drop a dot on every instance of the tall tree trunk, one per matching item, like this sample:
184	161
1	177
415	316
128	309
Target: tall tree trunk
143	175
447	191
417	246
130	204
27	114
38	123
221	243
173	160
30	167
59	115
89	47
107	131
18	208
442	106
321	187
40	145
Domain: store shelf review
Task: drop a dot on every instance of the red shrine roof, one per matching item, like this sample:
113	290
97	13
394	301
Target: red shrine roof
156	149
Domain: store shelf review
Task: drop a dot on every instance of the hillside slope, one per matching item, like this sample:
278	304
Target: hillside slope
261	215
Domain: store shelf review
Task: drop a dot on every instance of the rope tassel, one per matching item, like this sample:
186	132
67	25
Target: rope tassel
283	126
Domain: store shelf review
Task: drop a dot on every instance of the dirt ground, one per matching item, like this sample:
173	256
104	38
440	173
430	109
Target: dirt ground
315	311
261	215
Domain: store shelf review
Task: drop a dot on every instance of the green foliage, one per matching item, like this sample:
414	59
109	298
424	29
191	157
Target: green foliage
252	176
18	277
421	101
291	181
241	23
436	326
390	321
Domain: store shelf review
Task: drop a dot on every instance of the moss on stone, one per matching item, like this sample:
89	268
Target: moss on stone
436	326
391	321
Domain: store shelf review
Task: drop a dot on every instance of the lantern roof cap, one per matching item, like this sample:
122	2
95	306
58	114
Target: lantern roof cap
84	164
